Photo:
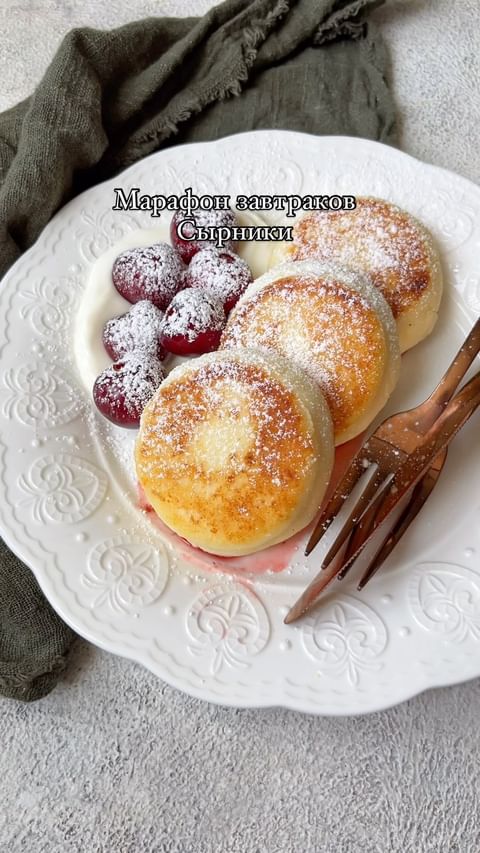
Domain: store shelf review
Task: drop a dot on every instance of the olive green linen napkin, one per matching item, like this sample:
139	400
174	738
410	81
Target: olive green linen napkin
110	98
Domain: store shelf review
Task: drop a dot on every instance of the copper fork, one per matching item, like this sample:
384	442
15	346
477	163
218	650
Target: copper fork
385	451
407	475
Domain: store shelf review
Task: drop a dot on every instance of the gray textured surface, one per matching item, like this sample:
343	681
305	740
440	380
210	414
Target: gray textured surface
114	761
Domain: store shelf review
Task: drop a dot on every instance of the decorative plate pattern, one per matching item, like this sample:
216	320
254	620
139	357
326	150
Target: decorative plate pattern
40	395
445	599
69	510
228	625
346	638
126	575
62	489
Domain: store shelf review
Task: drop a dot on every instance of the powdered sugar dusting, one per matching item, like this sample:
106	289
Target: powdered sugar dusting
209	217
123	390
192	312
149	272
187	248
323	326
139	328
223	274
228	453
228	388
378	238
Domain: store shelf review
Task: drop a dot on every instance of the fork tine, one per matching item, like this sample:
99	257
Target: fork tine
330	570
339	567
360	532
354	516
342	491
313	590
421	492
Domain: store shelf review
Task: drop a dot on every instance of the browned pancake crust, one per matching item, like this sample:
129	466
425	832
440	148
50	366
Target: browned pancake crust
377	238
258	485
325	328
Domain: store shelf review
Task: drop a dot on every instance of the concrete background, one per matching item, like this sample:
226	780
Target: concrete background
114	760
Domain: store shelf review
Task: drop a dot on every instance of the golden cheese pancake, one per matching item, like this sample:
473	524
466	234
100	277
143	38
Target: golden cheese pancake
384	242
333	324
235	451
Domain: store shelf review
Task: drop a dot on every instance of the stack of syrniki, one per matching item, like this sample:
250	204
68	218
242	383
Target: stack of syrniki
332	323
235	449
385	243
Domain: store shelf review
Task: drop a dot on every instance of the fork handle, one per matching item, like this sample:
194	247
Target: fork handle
455	373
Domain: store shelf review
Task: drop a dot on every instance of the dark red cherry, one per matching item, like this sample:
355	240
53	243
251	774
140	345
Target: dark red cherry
222	274
193	323
123	390
149	272
139	329
188	248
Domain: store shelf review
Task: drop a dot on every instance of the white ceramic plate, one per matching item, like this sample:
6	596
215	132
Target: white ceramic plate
68	503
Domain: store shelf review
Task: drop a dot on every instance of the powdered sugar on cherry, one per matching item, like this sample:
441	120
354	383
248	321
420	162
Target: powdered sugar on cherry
156	280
